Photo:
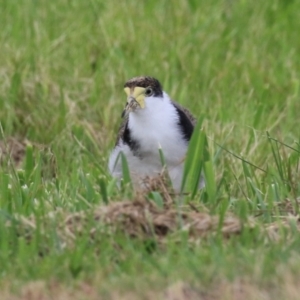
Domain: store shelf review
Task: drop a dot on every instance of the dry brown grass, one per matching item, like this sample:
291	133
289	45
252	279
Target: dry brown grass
13	150
138	218
13	154
142	218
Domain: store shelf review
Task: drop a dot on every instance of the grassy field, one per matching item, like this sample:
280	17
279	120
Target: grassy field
235	64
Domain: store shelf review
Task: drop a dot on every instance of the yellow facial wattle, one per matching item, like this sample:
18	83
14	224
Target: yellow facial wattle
127	91
138	94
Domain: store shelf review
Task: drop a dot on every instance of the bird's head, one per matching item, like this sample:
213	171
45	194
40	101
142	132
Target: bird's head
138	91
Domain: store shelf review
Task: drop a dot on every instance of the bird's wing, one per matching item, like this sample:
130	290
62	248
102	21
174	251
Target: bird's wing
186	121
186	111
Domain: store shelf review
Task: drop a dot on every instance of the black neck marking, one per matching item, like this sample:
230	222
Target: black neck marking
128	140
185	124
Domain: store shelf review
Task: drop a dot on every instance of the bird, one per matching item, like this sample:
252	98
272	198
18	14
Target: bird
152	121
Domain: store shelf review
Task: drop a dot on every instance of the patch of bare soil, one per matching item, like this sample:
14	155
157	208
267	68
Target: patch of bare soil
143	218
139	218
13	152
289	206
13	149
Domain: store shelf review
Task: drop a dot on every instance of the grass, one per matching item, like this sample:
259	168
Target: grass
234	64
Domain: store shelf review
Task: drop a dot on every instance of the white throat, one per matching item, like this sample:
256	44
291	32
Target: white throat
156	126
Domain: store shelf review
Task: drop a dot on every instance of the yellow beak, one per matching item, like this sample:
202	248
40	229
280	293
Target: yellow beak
131	105
135	99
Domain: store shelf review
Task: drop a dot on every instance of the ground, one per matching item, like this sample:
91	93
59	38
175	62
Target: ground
67	231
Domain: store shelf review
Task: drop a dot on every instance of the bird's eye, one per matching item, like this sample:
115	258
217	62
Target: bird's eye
149	91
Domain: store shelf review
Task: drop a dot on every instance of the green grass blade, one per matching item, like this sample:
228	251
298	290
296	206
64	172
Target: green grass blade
210	181
194	159
126	178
